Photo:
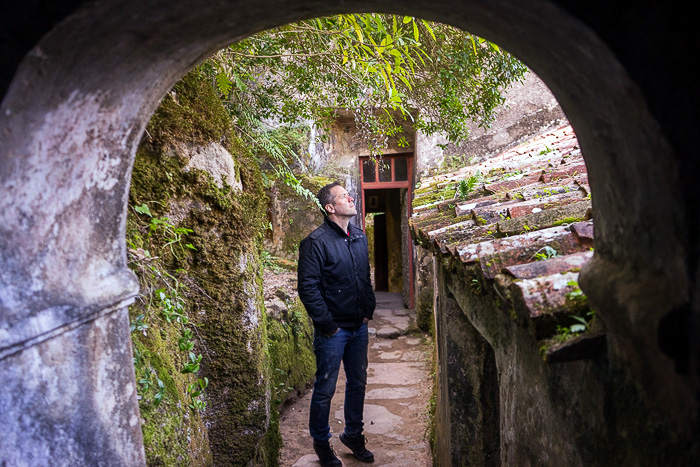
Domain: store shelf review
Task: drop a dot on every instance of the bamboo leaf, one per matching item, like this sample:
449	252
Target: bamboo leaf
430	30
473	43
358	31
406	82
301	70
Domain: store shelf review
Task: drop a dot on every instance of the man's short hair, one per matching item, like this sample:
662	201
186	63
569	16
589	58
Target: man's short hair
325	196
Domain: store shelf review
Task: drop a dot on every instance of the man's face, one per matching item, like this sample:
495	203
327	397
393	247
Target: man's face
343	204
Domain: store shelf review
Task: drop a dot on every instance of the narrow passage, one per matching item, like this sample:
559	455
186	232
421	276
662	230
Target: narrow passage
396	406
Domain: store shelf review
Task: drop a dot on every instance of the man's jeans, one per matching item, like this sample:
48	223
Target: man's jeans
350	346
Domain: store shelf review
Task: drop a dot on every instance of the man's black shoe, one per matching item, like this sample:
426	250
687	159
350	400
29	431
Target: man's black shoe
326	454
357	446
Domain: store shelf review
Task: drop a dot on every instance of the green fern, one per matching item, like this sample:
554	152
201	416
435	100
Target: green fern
467	185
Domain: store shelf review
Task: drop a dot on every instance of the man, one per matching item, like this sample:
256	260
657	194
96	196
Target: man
334	285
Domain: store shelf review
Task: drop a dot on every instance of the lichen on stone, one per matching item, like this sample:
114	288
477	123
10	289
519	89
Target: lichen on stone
216	262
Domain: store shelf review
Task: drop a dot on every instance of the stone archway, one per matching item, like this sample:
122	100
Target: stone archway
72	117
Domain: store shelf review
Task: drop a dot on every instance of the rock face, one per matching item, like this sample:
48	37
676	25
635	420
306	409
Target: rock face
209	197
213	159
291	217
530	108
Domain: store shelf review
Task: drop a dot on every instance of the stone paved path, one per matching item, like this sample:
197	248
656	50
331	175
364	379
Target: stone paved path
396	403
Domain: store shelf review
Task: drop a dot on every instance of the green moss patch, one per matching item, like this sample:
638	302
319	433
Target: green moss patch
424	310
212	252
191	111
292	360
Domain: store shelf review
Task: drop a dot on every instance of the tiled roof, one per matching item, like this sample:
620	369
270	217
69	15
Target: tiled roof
525	229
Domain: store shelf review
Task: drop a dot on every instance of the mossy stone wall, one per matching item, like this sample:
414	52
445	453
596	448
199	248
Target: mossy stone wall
292	359
424	289
531	412
291	216
220	281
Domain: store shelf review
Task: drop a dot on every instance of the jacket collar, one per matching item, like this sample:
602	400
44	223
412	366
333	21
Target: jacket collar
337	228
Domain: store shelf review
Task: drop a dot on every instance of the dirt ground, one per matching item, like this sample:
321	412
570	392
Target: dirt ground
398	391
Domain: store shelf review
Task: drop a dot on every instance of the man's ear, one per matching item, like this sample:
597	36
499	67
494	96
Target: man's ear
330	209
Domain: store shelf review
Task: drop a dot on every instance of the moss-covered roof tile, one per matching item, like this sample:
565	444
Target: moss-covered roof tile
527	228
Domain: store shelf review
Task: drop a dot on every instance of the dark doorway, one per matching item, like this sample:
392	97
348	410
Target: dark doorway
386	184
381	258
388	242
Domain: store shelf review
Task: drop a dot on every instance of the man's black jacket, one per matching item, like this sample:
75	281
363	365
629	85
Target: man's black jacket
333	277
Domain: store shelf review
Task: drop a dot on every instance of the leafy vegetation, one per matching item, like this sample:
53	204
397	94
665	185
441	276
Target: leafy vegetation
467	185
433	76
576	294
546	150
581	325
164	303
546	252
164	341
